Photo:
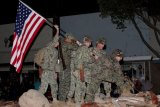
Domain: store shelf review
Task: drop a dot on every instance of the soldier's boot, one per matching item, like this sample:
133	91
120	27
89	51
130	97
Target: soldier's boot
55	100
108	92
78	104
108	95
70	100
82	100
102	96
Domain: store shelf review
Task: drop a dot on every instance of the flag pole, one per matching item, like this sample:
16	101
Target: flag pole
48	22
31	9
51	25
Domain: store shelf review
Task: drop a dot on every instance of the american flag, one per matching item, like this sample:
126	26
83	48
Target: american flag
28	23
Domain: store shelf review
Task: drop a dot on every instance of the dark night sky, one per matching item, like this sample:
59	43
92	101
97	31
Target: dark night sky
52	8
48	8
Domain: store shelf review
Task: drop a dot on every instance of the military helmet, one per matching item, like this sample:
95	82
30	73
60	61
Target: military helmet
70	36
117	52
101	40
87	39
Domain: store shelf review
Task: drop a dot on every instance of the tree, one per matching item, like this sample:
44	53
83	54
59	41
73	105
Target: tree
147	11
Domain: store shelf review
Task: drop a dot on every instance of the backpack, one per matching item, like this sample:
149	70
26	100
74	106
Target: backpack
39	56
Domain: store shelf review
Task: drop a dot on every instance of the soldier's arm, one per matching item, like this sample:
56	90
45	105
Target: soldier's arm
118	69
72	67
57	30
56	37
108	62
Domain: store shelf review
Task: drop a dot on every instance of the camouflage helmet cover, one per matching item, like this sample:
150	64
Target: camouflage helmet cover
101	40
70	36
117	52
87	39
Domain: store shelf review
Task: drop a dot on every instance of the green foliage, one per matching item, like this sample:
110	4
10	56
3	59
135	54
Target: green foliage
119	10
147	11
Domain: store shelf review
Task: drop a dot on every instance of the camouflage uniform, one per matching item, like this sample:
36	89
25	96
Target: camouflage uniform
65	75
48	67
82	59
95	66
97	63
110	71
78	66
73	78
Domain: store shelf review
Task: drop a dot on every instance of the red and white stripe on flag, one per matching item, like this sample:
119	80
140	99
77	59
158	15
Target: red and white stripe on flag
27	25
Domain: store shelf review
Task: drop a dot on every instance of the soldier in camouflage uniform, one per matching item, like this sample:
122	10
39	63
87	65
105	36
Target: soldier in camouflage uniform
116	73
98	54
110	71
49	76
68	45
79	73
73	78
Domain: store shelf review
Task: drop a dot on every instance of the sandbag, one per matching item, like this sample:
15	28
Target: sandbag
33	98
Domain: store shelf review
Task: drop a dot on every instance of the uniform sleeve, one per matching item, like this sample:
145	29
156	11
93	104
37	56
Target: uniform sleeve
107	62
75	47
118	68
55	39
89	58
72	66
